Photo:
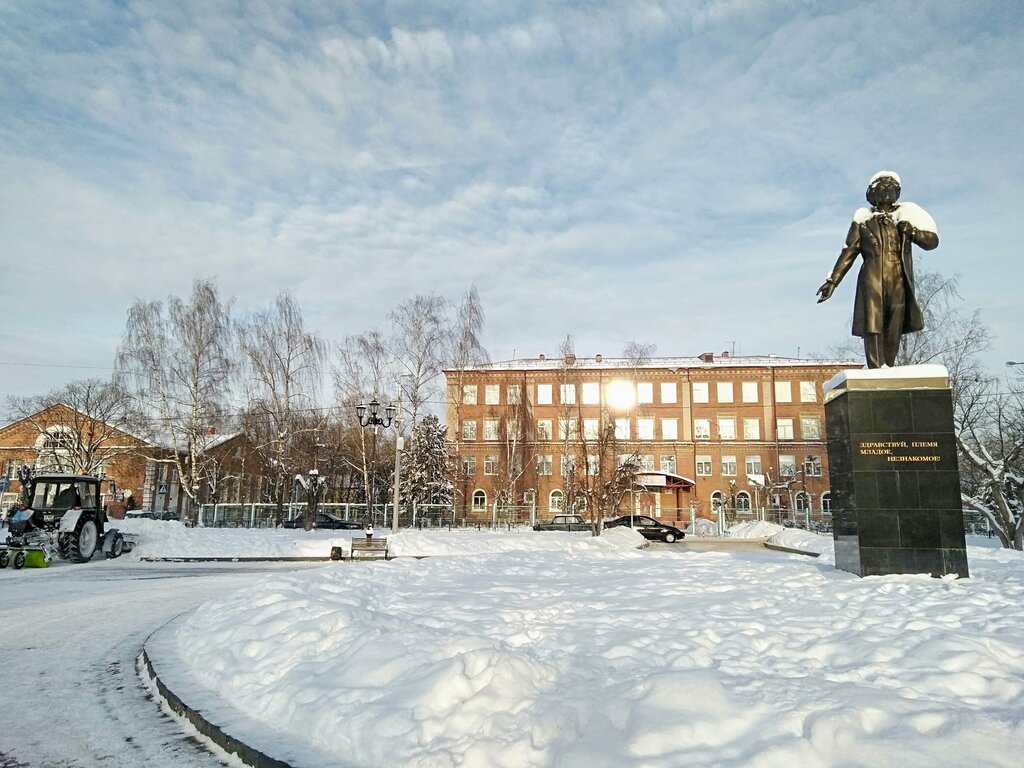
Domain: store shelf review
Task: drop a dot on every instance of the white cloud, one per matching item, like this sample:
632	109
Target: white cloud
581	164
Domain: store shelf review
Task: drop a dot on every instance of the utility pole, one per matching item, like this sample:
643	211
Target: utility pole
399	445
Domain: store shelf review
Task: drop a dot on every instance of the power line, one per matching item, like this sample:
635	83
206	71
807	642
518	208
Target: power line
56	365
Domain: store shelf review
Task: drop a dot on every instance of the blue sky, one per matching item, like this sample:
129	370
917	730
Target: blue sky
676	173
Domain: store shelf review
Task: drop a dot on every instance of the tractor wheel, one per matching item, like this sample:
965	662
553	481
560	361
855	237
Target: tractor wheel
19	560
5	558
64	545
82	543
116	547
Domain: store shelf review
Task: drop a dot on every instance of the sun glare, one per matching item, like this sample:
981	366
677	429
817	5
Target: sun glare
620	394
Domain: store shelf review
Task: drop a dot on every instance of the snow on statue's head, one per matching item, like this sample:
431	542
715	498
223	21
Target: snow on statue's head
884	187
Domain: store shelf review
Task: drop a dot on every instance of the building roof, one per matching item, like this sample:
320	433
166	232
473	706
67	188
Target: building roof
707	360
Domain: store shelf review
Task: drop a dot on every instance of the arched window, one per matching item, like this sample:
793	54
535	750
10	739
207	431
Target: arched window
555	500
802	502
479	499
743	502
826	503
716	502
56	449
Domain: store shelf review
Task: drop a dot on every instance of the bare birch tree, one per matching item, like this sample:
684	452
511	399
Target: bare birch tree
418	347
282	364
466	351
177	358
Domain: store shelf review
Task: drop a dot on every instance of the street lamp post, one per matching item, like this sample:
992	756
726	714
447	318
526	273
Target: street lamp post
369	416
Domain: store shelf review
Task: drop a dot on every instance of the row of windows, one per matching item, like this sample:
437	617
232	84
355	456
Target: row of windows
626	393
812	466
726	427
802	501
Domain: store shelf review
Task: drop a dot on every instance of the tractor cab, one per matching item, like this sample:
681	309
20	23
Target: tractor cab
52	496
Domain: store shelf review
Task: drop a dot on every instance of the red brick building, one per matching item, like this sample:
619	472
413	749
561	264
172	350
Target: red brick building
743	433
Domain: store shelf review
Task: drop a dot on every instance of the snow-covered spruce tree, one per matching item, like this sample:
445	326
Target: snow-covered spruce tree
427	464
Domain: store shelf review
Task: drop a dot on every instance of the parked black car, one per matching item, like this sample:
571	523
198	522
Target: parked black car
326	521
648	527
563	523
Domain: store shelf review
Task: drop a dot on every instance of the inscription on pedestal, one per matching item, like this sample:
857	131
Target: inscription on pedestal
895	482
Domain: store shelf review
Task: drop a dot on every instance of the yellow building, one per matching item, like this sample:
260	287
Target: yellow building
699	434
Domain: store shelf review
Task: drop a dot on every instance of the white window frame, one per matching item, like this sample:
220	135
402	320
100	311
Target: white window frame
591	429
668	392
814	433
492	394
702	429
545	464
784	428
645	392
479	494
667	463
567	429
469	466
700	392
469	394
727	428
469	429
752	465
703	466
545	429
492	429
544	394
787	466
808	392
751	429
645	429
591	394
670	429
567	394
728	466
783	392
622	429
567	465
724	391
491	464
749	391
514	394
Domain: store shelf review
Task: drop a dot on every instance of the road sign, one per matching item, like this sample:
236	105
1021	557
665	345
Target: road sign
163	488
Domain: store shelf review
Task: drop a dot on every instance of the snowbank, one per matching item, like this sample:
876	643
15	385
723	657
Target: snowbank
604	656
794	538
172	539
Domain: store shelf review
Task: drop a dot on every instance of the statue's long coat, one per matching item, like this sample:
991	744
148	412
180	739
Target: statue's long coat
864	239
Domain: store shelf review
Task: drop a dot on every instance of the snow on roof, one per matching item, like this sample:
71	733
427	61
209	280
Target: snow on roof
545	363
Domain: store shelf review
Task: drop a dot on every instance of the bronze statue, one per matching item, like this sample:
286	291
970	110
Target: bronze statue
885	307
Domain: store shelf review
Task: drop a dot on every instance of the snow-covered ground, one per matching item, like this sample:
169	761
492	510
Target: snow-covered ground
554	649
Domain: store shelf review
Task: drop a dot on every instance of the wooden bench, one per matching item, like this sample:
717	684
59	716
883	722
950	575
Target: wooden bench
369	548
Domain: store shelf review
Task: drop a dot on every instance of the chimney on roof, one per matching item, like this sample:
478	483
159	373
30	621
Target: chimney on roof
598	358
725	355
707	357
542	358
570	359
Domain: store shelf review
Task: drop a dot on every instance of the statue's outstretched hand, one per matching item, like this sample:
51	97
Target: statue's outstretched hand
826	290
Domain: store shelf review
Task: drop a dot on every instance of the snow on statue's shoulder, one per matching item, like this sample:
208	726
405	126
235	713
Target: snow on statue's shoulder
917	216
930	372
861	215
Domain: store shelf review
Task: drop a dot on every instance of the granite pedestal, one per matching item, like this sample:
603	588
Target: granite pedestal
893	471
